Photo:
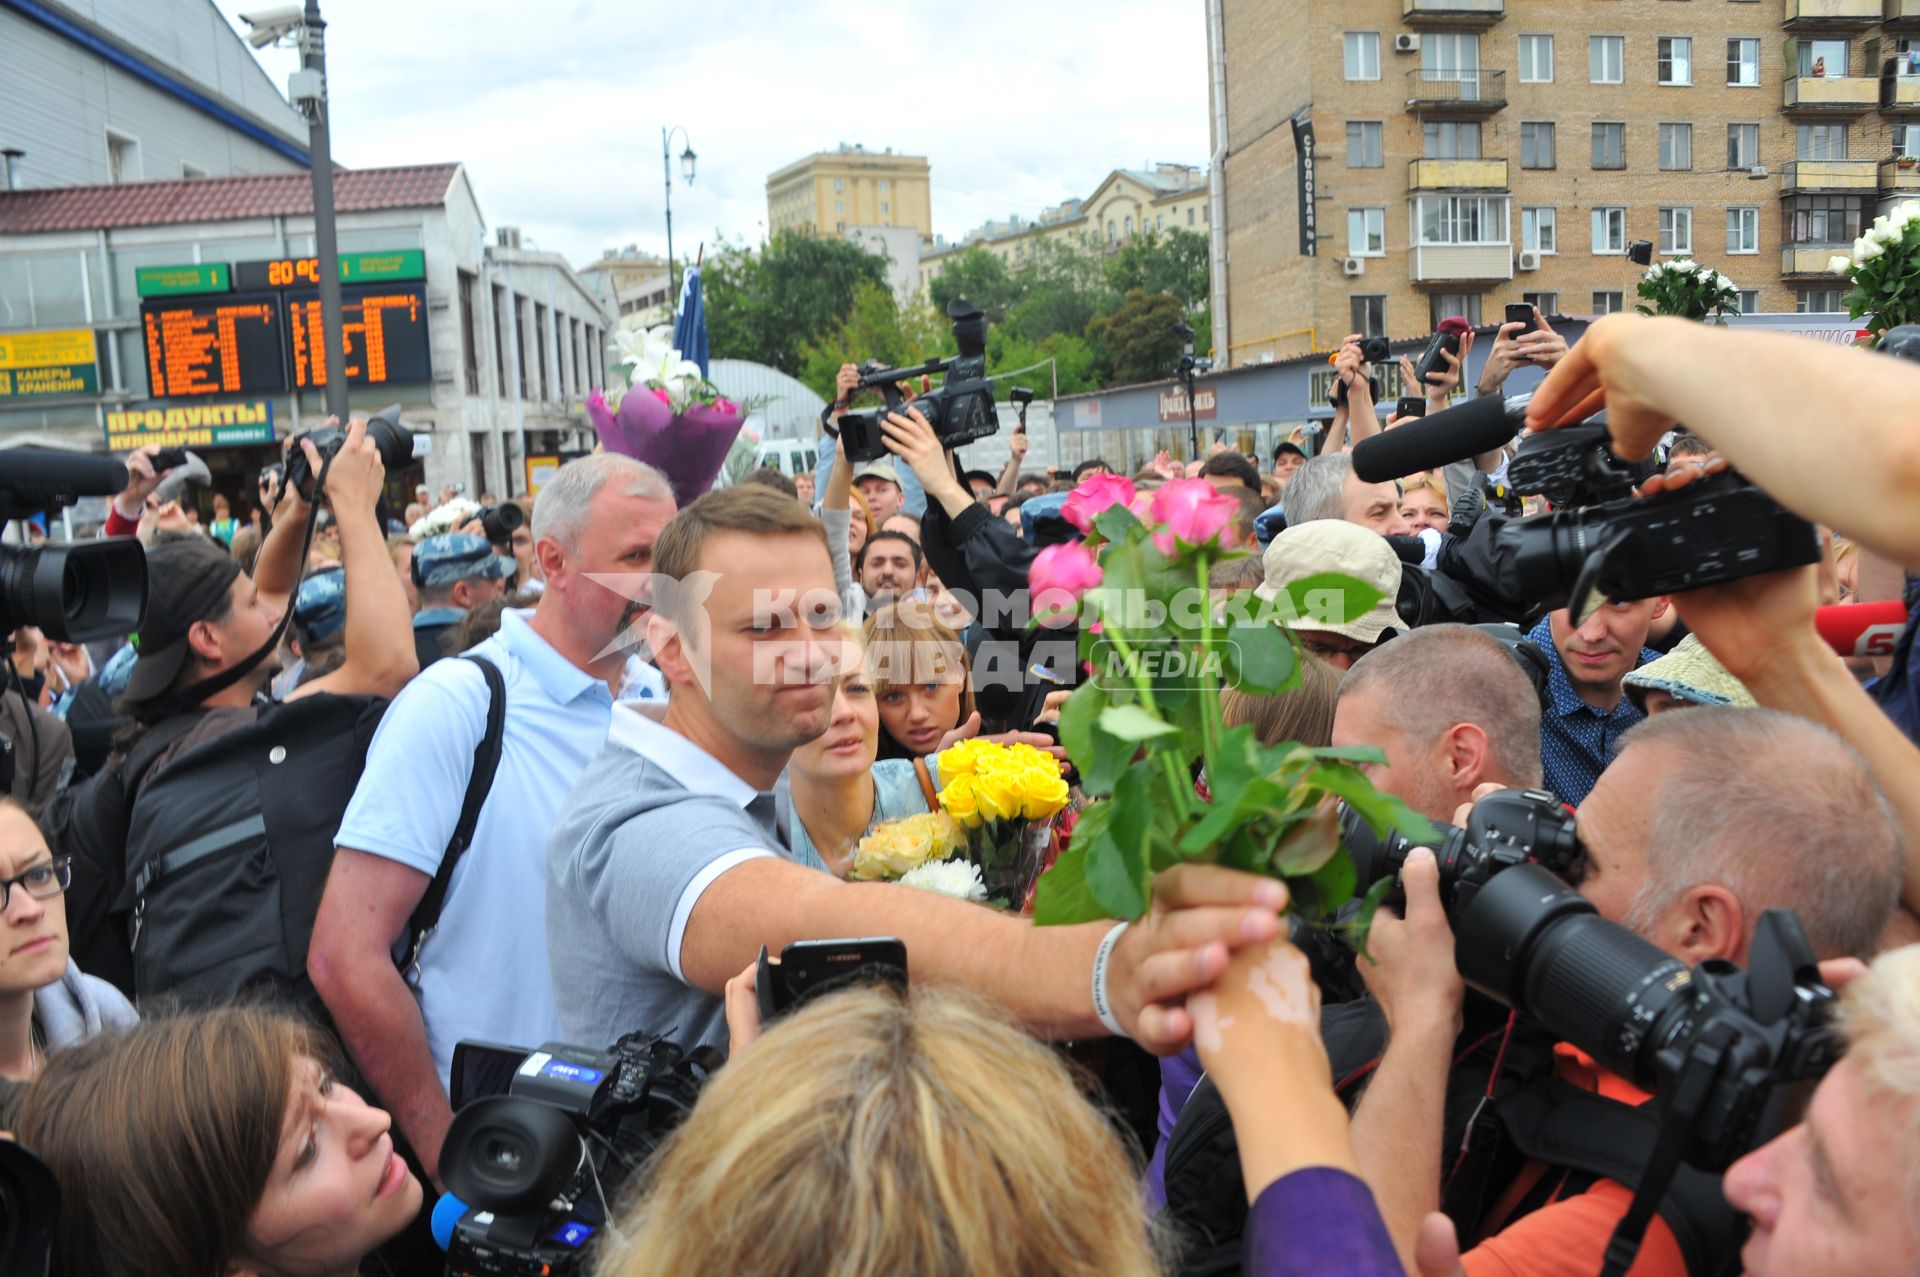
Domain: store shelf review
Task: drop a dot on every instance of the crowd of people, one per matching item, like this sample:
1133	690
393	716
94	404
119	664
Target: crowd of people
357	792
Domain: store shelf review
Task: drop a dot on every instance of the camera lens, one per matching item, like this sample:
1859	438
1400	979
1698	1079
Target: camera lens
75	593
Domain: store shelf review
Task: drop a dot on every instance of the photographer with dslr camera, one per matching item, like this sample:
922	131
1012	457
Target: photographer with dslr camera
207	648
1688	838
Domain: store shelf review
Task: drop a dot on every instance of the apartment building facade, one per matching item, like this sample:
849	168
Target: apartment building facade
1463	154
831	191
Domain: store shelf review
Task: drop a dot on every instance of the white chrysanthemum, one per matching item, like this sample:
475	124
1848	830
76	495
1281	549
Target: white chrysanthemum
957	878
455	513
1839	265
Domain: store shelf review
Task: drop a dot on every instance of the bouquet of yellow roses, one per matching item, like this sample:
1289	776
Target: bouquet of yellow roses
990	837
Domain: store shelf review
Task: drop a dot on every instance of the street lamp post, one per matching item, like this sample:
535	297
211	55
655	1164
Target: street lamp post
1188	369
687	157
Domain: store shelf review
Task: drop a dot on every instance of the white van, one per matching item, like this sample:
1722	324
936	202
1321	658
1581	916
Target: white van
790	457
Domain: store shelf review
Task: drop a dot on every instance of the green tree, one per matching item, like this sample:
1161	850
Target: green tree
876	326
981	278
1171	262
1139	337
1065	287
796	290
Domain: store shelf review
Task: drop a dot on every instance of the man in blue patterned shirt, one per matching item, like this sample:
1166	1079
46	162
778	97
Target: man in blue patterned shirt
1590	710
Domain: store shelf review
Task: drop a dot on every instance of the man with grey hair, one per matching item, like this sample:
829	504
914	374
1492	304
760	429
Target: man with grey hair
1703	822
481	974
1451	710
1327	488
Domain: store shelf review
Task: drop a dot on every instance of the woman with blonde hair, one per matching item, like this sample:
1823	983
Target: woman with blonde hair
870	1136
1423	501
921	679
1305	714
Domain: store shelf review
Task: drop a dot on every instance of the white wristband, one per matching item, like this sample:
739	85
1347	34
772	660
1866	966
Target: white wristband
1101	1006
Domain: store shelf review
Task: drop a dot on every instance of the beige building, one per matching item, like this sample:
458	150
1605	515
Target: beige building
1126	203
850	186
1471	153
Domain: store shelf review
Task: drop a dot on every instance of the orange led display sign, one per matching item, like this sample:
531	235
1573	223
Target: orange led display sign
384	331
213	345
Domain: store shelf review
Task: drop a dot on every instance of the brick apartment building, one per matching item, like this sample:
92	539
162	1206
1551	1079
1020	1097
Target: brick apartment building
1470	153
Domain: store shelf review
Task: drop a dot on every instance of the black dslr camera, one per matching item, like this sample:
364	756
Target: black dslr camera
1504	829
500	522
1729	1053
1604	543
394	441
543	1140
960	411
74	592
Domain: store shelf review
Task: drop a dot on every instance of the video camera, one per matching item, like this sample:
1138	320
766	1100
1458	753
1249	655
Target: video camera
960	411
1601	542
394	441
73	592
542	1140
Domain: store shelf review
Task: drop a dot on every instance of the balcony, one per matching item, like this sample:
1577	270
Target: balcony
1461	263
1900	94
1830	175
1901	15
1831	95
1809	261
1453	13
1896	180
1832	15
1457	175
1456	92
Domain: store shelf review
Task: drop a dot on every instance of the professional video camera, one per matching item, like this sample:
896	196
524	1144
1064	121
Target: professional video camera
1722	1049
73	592
1507	828
394	441
1601	542
960	411
543	1140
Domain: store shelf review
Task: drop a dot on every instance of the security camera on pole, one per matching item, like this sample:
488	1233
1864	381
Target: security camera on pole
307	91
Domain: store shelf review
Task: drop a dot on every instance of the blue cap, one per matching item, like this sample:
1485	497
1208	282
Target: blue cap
320	605
456	556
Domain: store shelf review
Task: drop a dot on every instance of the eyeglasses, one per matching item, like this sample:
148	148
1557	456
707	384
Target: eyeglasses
42	882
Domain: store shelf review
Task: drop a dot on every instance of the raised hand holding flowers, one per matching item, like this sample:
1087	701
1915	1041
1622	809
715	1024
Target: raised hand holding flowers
1882	268
1689	290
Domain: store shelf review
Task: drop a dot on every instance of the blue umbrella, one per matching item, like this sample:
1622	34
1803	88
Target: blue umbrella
690	323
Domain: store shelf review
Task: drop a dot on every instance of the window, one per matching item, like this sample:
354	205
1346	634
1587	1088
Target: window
839	206
1676	146
123	158
1906	139
1363	144
1455	306
1743	62
1743	145
886	209
500	342
1363	55
1676	59
1822	57
1545	303
1820	142
1366	232
1452	139
1113	235
1128	226
1160	222
1450	56
1813	301
1536	144
1606	58
540	349
1609	303
1823	219
1461	219
1369	314
884	184
520	327
191	170
1609	146
1536	59
1609	230
1743	230
1539	231
1676	230
1749	301
470	335
838	185
1189	217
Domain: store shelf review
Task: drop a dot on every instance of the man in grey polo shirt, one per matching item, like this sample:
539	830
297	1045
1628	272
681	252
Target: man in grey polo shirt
663	881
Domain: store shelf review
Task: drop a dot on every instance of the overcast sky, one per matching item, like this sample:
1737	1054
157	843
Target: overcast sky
556	106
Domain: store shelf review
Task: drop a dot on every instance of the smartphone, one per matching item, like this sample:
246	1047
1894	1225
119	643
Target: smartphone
809	968
1520	313
1410	406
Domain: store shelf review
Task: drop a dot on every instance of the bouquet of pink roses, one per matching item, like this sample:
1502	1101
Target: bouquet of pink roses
668	415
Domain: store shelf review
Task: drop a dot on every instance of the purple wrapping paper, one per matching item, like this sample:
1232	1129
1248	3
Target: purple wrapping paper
689	449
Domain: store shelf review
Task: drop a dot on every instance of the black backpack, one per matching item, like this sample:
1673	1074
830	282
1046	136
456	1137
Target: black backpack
1533	1117
229	846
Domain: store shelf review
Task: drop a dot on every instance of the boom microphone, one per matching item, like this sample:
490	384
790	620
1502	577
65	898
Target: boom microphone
39	479
1458	434
1861	629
